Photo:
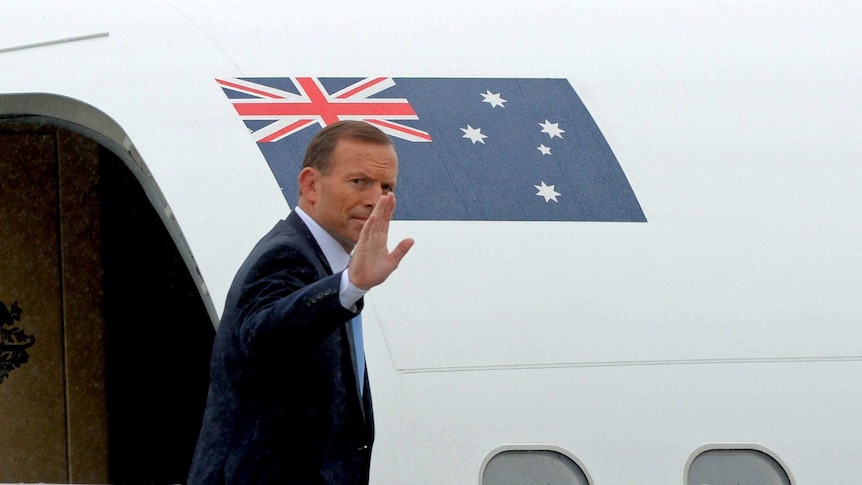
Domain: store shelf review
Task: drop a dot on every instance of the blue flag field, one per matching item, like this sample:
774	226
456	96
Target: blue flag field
468	149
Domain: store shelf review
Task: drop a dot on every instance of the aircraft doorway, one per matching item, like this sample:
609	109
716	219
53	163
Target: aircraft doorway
105	342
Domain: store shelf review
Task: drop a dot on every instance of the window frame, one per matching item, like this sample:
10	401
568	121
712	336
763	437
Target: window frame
533	448
736	447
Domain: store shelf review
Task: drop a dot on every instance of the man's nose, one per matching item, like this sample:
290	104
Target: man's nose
373	194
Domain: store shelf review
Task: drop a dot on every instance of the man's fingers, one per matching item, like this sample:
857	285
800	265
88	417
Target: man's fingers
385	208
367	228
372	262
401	250
378	221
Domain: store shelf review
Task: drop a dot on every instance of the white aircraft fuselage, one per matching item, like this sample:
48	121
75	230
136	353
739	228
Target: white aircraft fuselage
726	326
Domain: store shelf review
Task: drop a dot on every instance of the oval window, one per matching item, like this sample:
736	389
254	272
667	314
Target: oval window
735	466
532	467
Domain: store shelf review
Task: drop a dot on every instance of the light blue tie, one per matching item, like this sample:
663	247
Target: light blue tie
358	351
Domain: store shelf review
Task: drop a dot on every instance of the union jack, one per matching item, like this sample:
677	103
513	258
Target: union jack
291	112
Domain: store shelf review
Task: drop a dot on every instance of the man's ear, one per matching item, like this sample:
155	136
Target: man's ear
307	181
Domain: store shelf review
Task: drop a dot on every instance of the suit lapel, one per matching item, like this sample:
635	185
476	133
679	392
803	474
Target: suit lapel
302	230
296	222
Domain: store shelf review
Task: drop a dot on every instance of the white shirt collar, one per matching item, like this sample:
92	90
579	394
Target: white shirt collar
334	252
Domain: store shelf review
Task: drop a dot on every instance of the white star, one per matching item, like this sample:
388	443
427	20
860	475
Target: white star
474	134
545	150
493	99
548	192
552	129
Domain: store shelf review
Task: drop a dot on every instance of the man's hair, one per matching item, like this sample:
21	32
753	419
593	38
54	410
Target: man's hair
319	152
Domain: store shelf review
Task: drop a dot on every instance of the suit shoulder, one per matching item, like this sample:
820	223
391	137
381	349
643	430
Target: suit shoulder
288	246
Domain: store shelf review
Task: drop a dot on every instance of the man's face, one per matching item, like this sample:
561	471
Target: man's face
359	174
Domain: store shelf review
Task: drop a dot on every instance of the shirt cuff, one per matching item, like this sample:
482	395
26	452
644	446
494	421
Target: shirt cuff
348	294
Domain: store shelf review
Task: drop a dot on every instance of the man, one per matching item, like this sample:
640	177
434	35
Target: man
289	399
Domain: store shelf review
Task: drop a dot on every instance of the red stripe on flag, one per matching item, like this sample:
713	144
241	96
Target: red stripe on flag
362	87
246	89
286	130
328	111
319	101
402	129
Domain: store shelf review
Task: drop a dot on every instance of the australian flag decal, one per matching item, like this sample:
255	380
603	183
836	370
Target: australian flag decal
468	149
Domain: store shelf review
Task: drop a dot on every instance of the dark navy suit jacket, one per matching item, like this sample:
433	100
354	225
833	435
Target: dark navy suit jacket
283	404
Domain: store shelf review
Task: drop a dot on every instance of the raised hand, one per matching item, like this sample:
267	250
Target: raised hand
372	262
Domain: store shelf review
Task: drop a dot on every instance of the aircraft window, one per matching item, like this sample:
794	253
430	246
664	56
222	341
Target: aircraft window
734	466
532	467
